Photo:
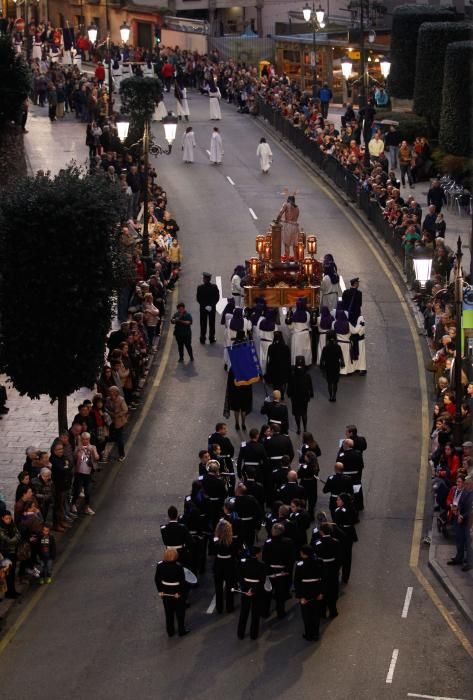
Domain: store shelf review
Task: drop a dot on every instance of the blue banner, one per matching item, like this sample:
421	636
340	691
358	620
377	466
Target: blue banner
245	363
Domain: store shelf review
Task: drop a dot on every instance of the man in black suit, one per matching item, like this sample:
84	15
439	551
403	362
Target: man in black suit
207	298
352	300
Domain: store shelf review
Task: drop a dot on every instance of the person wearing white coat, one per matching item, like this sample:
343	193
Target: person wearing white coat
330	288
216	147
238	292
160	111
358	346
182	106
265	155
324	326
342	329
188	145
214	100
300	334
265	332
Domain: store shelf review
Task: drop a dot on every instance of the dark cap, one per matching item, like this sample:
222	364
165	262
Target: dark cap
306	549
206	274
354	280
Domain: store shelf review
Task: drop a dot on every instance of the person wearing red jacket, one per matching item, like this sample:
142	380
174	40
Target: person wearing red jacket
100	73
167	73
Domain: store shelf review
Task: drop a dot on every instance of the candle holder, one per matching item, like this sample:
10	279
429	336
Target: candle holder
260	245
312	245
301	237
308	267
299	251
267	250
254	268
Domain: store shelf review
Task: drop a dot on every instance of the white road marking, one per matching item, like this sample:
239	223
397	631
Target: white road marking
407	601
230	180
211	607
392	666
430	697
253	214
343	286
208	153
222	302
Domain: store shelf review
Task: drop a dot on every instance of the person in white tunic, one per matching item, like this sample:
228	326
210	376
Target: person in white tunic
300	334
324	326
237	289
227	314
160	111
214	100
188	145
342	329
265	331
216	147
330	288
265	155
182	106
358	346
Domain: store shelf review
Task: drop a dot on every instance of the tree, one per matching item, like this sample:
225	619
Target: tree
432	44
15	85
60	254
139	96
455	123
406	22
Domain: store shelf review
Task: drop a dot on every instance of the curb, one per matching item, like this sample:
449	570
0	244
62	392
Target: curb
446	582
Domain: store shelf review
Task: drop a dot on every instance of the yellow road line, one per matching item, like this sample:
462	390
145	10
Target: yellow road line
82	527
425	423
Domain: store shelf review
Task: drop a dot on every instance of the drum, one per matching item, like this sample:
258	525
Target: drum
191	578
268	586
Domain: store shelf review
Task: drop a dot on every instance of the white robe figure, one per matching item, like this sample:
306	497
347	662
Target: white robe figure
237	290
37	50
182	107
300	341
160	111
322	341
216	148
359	365
329	293
344	342
188	145
265	338
265	156
214	100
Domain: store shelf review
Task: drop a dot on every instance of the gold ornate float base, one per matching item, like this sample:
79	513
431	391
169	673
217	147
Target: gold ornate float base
282	296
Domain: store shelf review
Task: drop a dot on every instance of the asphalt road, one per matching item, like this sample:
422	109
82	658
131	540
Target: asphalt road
98	631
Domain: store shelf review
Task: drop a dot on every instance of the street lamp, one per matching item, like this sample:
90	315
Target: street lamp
149	146
458	286
422	266
92	32
367	13
385	66
315	18
125	32
347	67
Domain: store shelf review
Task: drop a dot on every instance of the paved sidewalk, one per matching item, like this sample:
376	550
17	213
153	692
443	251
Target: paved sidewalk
49	146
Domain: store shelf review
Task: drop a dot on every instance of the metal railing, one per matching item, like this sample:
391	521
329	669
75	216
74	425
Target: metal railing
341	176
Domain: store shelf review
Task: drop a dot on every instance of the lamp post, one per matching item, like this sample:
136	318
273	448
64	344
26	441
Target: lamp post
149	146
422	261
367	13
315	18
110	81
125	32
385	66
458	286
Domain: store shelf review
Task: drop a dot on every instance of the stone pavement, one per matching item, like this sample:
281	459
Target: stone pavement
49	146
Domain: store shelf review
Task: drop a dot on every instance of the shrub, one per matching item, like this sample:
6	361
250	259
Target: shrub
406	22
410	125
432	44
455	122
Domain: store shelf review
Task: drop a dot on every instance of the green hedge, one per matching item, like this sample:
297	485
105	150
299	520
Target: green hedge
406	22
410	125
456	122
432	44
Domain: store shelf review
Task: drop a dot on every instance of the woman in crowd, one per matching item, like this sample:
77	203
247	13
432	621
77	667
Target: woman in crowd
117	408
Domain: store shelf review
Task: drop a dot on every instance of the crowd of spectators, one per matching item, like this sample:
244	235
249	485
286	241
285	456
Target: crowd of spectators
55	484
